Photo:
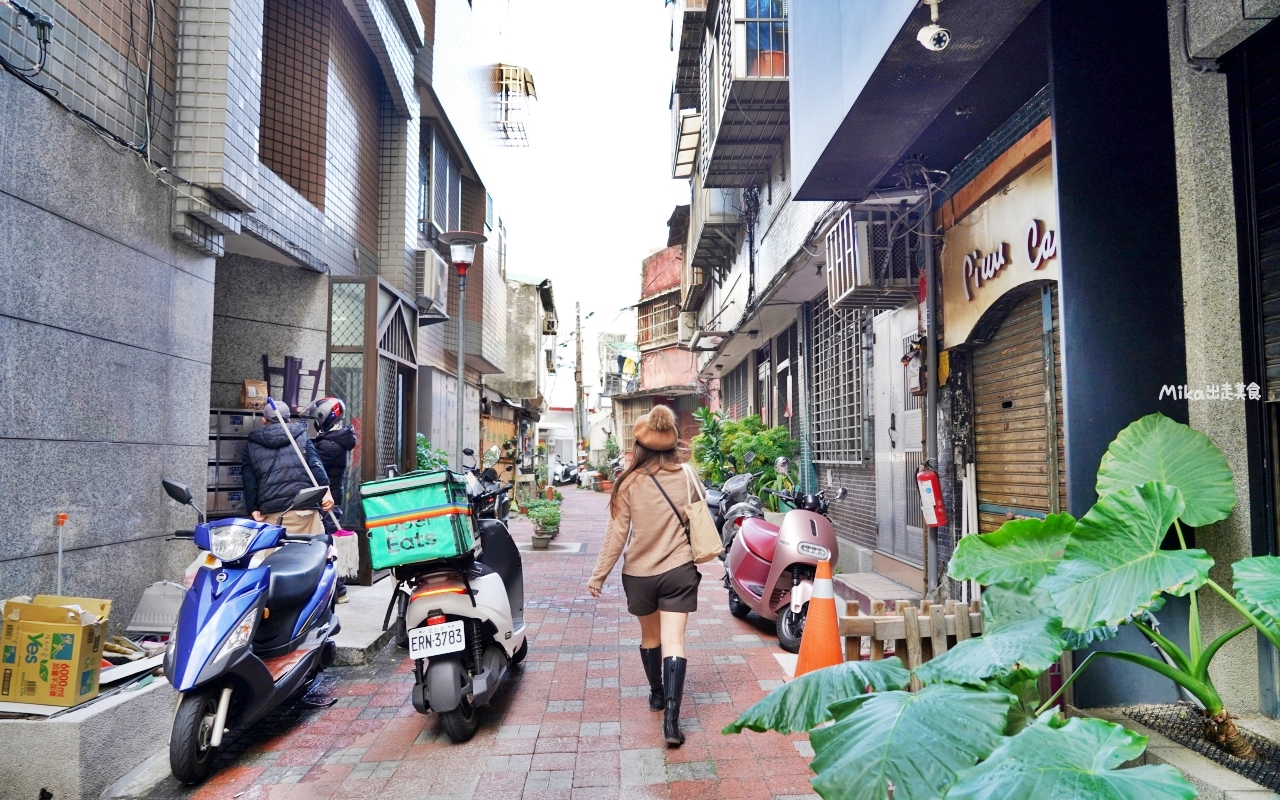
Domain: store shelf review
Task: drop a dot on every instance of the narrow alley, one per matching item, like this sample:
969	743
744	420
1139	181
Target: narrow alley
574	724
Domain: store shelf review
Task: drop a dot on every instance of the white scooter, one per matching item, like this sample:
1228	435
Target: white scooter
465	622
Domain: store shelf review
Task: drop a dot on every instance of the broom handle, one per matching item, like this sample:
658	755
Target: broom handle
271	403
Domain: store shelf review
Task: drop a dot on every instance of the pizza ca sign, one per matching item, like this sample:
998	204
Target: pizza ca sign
1041	247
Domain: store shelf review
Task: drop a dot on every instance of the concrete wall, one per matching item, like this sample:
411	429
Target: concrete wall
1207	222
261	307
103	393
523	310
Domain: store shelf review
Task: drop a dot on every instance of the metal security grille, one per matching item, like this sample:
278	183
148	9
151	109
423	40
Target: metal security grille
872	260
837	384
347	326
388	413
733	392
346	380
659	320
440	163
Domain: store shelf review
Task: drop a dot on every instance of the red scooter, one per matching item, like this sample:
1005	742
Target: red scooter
770	570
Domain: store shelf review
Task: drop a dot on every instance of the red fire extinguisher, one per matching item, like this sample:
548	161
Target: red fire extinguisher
931	505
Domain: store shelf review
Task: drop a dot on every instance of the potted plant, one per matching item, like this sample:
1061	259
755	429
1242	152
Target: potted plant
545	516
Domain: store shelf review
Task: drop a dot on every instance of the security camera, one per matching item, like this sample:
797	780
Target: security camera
934	37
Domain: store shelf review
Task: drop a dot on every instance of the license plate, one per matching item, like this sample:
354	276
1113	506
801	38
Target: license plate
436	640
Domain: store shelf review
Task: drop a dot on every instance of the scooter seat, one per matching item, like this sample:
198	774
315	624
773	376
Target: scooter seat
295	573
760	537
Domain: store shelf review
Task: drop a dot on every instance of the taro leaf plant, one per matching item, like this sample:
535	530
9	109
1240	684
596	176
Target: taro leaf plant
978	728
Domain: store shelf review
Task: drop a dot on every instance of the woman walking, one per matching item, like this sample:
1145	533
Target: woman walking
658	574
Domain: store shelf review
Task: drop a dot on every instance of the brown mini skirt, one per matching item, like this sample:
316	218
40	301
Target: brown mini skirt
673	590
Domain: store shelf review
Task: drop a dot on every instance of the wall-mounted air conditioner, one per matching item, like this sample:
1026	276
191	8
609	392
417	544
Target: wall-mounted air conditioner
688	324
432	273
871	259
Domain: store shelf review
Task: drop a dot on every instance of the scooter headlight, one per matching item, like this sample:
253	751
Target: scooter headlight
231	542
240	635
814	551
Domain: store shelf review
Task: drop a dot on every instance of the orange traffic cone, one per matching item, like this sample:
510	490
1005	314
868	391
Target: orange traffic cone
820	644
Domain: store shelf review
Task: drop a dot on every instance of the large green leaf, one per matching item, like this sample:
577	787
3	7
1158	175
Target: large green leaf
917	741
1257	584
1021	548
1155	448
1079	640
1080	759
801	704
1113	566
1021	636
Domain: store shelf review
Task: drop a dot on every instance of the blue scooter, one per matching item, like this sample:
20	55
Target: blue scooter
247	637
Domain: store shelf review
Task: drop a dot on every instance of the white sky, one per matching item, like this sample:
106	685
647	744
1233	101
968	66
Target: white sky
591	195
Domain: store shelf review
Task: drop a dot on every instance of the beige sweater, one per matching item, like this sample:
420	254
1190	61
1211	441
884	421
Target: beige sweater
656	541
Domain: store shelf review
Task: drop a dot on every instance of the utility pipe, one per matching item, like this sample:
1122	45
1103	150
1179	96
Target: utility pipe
931	376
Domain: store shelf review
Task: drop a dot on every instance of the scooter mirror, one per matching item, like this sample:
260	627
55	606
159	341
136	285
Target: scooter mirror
492	455
748	457
178	491
782	465
841	493
307	497
467	451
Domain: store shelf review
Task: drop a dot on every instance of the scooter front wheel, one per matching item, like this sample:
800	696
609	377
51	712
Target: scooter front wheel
190	754
461	723
791	628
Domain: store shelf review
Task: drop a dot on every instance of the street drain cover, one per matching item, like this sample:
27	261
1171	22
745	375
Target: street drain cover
1183	723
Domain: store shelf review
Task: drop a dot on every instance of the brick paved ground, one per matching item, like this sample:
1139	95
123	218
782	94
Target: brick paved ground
574	723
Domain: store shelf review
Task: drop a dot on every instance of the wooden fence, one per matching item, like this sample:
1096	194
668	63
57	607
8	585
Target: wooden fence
914	634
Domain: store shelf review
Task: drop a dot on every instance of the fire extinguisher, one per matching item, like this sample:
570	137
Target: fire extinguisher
935	512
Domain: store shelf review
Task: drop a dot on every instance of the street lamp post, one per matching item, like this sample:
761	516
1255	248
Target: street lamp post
462	252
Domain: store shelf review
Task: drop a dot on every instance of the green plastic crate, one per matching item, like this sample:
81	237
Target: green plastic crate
419	516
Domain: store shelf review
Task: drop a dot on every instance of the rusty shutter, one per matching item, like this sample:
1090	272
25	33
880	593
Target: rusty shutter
1016	402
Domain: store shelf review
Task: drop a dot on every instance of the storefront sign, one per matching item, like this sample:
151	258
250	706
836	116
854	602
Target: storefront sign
1007	241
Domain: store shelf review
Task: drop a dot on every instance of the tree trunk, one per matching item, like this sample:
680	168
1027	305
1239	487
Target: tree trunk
1219	729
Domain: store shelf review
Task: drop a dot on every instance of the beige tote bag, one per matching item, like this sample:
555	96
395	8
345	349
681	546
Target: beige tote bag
698	525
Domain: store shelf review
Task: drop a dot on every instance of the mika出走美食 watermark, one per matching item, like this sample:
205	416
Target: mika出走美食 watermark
1214	391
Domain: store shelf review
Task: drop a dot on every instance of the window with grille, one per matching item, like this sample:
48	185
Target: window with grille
440	184
837	384
659	320
766	28
733	391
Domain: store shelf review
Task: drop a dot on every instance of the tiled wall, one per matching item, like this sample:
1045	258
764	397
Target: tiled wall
355	97
855	516
97	62
295	79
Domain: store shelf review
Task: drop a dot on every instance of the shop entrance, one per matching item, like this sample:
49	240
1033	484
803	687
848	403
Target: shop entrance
1017	414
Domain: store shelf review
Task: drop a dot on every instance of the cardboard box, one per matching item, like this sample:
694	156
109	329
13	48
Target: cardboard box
253	395
50	651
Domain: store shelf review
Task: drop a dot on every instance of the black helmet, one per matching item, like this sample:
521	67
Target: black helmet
327	413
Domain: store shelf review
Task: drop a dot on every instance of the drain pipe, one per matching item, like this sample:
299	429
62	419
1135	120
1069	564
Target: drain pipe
931	376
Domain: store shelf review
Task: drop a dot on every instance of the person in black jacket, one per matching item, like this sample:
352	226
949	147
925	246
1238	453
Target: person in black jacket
273	475
334	441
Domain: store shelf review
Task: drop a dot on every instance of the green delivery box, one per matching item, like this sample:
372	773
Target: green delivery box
419	516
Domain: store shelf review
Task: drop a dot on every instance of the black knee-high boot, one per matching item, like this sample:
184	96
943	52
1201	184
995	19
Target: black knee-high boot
673	686
652	659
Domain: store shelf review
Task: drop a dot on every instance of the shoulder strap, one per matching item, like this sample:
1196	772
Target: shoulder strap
691	480
684	523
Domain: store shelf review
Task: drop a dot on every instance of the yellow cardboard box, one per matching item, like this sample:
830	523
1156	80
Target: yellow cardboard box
51	651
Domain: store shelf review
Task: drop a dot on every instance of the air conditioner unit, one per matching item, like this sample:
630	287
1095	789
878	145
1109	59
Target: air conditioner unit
433	282
688	324
871	261
549	325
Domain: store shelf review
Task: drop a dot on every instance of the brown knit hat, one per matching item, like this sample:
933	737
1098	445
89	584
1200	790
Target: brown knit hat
657	429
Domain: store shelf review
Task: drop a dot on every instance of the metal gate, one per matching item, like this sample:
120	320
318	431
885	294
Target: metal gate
1017	415
898	440
373	356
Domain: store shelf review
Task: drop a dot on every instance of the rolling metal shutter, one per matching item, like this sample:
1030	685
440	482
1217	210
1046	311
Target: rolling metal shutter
733	391
1261	89
1016	402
